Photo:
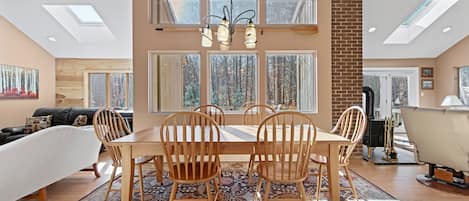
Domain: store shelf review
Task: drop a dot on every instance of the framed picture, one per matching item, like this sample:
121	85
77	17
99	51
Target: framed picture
18	82
427	72
427	84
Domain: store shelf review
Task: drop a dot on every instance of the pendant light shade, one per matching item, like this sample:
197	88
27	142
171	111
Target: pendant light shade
250	36
226	28
207	37
223	33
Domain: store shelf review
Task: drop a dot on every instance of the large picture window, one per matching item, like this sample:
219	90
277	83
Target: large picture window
291	11
292	81
464	85
175	81
233	80
110	89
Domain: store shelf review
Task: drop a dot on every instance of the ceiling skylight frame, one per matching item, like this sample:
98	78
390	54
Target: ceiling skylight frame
419	20
97	21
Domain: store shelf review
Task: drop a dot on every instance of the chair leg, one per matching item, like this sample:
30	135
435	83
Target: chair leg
111	180
349	178
301	189
318	189
266	191
140	181
209	191
257	194
95	170
251	167
219	195
174	190
158	162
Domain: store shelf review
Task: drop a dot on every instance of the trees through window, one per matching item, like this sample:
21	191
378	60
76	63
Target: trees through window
110	89
232	80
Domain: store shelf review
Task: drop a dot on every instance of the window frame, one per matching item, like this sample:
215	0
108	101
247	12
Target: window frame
314	71
261	23
459	83
151	96
209	75
87	91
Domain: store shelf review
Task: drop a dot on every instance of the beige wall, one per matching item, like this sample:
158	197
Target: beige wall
145	39
447	62
427	97
70	73
18	49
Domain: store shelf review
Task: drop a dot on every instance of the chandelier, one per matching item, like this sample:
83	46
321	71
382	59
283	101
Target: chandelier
226	28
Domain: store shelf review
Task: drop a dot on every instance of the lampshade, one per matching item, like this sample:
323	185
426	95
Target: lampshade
223	33
224	46
250	36
451	100
206	37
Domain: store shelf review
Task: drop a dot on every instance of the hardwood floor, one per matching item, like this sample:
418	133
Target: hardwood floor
399	181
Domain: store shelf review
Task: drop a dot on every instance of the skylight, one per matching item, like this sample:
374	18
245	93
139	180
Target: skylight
86	14
423	16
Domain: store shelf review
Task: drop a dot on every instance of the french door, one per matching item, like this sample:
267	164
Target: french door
393	88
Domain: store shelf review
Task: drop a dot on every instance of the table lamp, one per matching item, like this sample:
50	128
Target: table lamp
451	100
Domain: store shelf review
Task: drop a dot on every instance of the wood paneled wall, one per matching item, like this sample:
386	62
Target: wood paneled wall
70	86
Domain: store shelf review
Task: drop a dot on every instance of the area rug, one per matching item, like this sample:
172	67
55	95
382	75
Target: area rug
235	187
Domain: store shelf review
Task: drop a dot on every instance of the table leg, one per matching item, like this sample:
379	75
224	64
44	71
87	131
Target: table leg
333	172
127	173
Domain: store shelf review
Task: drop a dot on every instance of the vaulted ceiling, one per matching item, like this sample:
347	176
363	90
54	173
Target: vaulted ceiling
31	17
387	15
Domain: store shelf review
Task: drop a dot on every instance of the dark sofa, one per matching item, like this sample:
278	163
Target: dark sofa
60	116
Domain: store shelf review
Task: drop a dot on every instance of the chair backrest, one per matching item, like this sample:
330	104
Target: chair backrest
440	135
254	114
190	139
110	125
351	125
214	112
285	139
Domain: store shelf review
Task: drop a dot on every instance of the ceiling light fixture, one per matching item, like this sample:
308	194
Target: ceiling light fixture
372	29
51	38
446	29
226	28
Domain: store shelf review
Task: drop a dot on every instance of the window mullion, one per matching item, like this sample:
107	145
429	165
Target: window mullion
108	89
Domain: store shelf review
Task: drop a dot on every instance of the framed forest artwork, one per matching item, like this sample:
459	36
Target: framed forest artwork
18	82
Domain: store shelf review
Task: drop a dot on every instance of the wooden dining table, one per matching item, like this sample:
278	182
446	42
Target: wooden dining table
234	139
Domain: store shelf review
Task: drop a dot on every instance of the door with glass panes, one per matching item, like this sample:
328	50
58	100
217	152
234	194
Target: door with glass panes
393	88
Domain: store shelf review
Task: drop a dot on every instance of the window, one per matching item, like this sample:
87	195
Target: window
216	8
291	81
110	89
232	80
291	11
464	85
175	81
275	12
175	11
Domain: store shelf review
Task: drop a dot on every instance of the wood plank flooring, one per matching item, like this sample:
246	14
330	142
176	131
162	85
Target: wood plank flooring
399	181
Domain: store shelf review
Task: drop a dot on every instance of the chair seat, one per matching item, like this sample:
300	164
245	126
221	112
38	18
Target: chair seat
205	175
316	158
273	172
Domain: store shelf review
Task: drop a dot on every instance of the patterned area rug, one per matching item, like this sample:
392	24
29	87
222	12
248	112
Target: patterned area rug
235	187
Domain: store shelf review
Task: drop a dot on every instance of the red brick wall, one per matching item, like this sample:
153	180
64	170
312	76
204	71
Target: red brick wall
347	58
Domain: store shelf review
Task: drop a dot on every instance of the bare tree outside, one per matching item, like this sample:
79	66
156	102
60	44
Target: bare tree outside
233	80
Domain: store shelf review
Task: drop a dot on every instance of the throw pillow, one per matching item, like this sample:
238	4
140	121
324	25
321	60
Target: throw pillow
34	124
80	121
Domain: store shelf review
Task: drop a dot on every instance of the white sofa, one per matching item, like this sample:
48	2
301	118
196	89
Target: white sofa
441	136
42	158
